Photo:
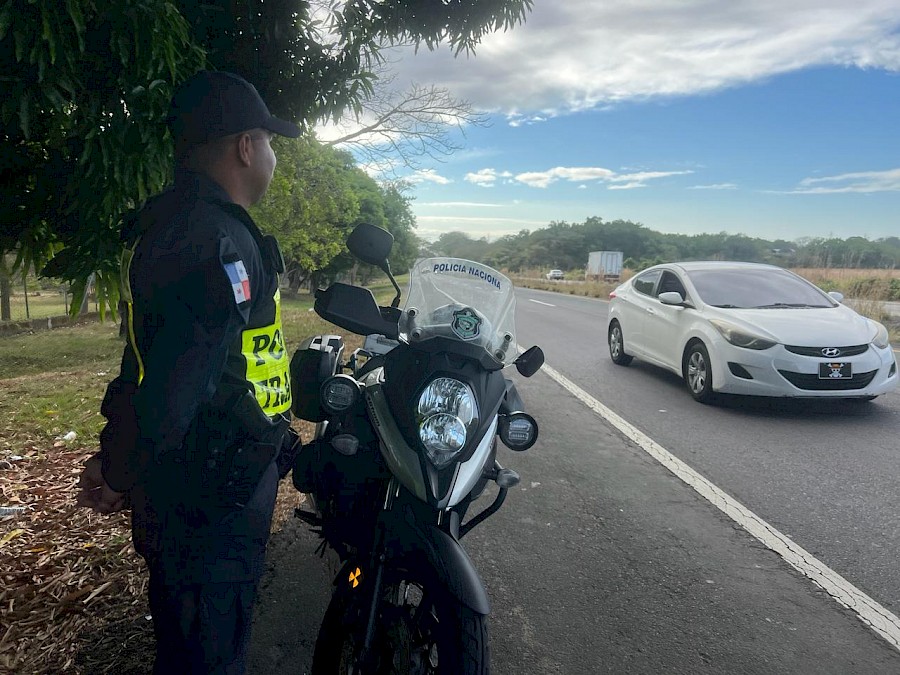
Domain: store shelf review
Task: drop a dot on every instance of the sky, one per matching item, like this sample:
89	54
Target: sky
774	119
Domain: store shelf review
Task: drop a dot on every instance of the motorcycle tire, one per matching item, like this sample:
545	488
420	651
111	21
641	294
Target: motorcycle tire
443	638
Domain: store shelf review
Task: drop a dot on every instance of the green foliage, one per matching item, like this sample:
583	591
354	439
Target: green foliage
894	289
566	246
311	204
85	87
82	101
316	198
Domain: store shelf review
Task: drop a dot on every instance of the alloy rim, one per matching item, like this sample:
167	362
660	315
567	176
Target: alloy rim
697	372
615	342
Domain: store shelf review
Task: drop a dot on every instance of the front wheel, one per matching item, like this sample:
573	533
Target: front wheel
421	630
617	345
698	372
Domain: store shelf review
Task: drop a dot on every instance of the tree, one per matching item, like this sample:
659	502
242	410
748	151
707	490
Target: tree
83	95
86	85
401	222
310	206
317	196
398	128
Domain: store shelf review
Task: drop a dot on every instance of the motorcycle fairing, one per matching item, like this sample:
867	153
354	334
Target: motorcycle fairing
429	550
403	461
471	470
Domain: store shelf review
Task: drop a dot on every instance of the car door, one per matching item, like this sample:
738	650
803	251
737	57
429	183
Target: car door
664	324
634	310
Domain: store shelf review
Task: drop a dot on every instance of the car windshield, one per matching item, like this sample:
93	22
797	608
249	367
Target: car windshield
763	288
461	300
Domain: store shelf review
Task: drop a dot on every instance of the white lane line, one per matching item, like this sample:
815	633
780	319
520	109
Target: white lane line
868	610
540	303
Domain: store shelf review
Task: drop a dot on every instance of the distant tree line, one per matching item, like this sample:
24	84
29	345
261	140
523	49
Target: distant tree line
566	246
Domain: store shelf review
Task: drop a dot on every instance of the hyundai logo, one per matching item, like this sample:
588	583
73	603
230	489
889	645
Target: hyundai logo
831	352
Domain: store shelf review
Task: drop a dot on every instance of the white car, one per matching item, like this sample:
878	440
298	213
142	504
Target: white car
555	275
745	328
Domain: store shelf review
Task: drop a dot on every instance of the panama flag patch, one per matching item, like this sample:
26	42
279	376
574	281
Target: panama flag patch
240	283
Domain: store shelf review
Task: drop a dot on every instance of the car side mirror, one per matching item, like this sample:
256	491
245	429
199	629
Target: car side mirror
671	298
837	297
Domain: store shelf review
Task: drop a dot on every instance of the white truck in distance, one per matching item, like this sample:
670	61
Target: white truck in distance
604	266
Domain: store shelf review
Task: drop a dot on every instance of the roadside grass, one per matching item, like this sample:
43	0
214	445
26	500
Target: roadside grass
41	304
590	289
72	597
93	345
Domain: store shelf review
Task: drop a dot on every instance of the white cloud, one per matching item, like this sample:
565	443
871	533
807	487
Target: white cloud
542	179
628	186
486	177
715	186
428	176
863	182
455	205
584	54
431	227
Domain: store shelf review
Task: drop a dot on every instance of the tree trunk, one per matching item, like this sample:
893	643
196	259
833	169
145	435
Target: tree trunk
5	311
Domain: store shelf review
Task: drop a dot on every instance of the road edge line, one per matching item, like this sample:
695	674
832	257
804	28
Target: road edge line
869	611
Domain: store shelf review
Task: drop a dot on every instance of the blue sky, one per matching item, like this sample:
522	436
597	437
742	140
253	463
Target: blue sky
772	119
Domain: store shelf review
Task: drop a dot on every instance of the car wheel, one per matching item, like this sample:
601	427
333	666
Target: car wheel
698	372
617	345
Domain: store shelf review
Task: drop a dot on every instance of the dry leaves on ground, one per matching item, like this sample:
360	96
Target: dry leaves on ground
72	588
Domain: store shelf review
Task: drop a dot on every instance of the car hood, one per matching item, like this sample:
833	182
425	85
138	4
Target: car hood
814	327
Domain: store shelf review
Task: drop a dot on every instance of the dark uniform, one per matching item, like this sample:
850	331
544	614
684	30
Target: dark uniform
198	416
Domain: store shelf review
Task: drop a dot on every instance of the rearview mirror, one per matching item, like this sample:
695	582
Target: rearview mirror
530	361
371	244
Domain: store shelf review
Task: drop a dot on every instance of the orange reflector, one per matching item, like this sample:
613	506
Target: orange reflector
355	576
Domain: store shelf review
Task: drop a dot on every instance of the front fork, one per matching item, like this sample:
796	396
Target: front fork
366	657
470	591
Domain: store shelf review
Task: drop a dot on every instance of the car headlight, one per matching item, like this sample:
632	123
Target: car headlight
446	413
740	337
881	340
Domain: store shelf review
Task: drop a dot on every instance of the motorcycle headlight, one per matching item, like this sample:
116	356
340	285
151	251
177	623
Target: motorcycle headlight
446	413
739	337
881	340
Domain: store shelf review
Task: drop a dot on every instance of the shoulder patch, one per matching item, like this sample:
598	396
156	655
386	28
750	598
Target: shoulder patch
240	283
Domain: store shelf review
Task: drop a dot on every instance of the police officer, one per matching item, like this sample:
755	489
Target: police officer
197	418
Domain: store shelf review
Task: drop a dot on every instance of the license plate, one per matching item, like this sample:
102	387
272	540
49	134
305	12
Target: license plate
835	370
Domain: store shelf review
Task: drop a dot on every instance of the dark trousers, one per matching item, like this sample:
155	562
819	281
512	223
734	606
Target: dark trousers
204	567
201	628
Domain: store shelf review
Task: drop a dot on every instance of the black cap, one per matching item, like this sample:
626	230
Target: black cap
211	105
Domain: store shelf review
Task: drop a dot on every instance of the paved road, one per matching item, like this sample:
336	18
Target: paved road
825	472
602	561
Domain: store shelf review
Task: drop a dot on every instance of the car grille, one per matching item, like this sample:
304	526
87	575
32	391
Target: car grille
812	382
855	350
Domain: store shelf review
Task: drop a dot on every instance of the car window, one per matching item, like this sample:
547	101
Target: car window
756	288
645	282
669	283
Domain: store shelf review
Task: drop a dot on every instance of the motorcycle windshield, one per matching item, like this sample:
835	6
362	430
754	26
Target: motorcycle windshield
461	300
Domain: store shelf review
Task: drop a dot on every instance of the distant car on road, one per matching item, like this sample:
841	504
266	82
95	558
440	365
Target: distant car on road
745	328
555	275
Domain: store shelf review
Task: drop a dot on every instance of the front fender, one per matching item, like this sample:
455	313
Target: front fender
432	554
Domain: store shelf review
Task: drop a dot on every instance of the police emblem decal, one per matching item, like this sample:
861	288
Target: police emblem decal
466	323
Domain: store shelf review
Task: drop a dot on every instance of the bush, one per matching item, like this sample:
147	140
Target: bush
894	290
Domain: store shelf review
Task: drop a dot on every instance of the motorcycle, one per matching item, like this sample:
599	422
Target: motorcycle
405	442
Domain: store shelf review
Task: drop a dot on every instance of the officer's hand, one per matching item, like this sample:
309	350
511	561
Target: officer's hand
94	493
